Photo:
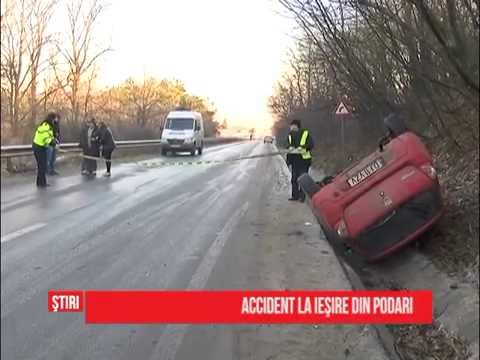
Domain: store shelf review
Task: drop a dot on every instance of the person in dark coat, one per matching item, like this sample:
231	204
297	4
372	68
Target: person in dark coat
89	142
300	143
108	145
52	150
83	144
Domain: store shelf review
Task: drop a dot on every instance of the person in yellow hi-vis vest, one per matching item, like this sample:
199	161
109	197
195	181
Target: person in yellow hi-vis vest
300	145
43	138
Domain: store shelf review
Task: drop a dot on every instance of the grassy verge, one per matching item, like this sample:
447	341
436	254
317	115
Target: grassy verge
453	245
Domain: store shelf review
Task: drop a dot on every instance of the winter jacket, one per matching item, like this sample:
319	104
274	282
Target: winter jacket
106	138
43	135
296	137
89	141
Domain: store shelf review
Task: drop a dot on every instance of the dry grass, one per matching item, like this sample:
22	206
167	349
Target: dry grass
428	342
454	244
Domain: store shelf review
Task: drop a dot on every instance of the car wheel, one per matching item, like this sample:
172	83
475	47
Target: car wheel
395	125
164	152
308	186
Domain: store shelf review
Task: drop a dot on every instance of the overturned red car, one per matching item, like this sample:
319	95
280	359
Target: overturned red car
385	201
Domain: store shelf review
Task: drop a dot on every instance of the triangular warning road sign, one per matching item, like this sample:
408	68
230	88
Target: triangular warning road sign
342	110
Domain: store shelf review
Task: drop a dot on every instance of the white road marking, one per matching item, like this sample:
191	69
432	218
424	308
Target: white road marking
13	203
22	232
173	335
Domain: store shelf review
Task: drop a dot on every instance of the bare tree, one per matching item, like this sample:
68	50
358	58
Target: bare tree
142	100
42	11
24	38
414	56
14	69
81	55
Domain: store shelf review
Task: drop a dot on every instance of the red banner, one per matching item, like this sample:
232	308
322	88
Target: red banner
258	307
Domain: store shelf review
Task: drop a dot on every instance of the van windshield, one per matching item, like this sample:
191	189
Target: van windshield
179	124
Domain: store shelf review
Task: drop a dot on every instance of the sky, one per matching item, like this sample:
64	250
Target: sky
230	51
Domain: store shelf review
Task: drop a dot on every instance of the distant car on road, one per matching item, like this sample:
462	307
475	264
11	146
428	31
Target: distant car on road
268	139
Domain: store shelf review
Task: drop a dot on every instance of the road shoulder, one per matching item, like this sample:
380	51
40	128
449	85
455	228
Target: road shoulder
278	245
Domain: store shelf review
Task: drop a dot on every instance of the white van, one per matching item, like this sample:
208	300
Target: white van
182	131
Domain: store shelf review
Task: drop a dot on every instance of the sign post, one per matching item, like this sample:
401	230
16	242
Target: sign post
342	112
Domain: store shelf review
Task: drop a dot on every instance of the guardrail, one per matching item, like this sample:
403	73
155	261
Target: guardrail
10	151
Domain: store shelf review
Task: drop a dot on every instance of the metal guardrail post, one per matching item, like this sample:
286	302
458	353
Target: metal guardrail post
10	165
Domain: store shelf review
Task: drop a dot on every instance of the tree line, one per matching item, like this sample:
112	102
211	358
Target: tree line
419	58
43	70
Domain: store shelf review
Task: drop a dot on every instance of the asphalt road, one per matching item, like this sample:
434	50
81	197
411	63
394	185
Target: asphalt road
224	226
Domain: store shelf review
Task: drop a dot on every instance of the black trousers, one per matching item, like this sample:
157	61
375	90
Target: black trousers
107	154
298	168
40	153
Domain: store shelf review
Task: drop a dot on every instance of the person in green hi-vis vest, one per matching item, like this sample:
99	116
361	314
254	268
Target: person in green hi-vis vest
42	139
300	145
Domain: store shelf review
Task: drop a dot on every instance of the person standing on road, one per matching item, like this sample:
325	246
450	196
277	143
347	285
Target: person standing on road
83	144
108	145
89	143
52	150
42	139
300	143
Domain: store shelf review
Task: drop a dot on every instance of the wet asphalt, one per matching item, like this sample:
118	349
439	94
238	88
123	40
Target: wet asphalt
150	227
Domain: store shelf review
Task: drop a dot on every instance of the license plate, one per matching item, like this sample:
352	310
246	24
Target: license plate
367	171
175	145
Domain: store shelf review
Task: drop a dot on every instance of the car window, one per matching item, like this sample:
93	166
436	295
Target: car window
179	124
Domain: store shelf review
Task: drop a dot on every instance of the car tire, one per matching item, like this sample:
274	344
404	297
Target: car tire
395	125
164	152
193	152
308	186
